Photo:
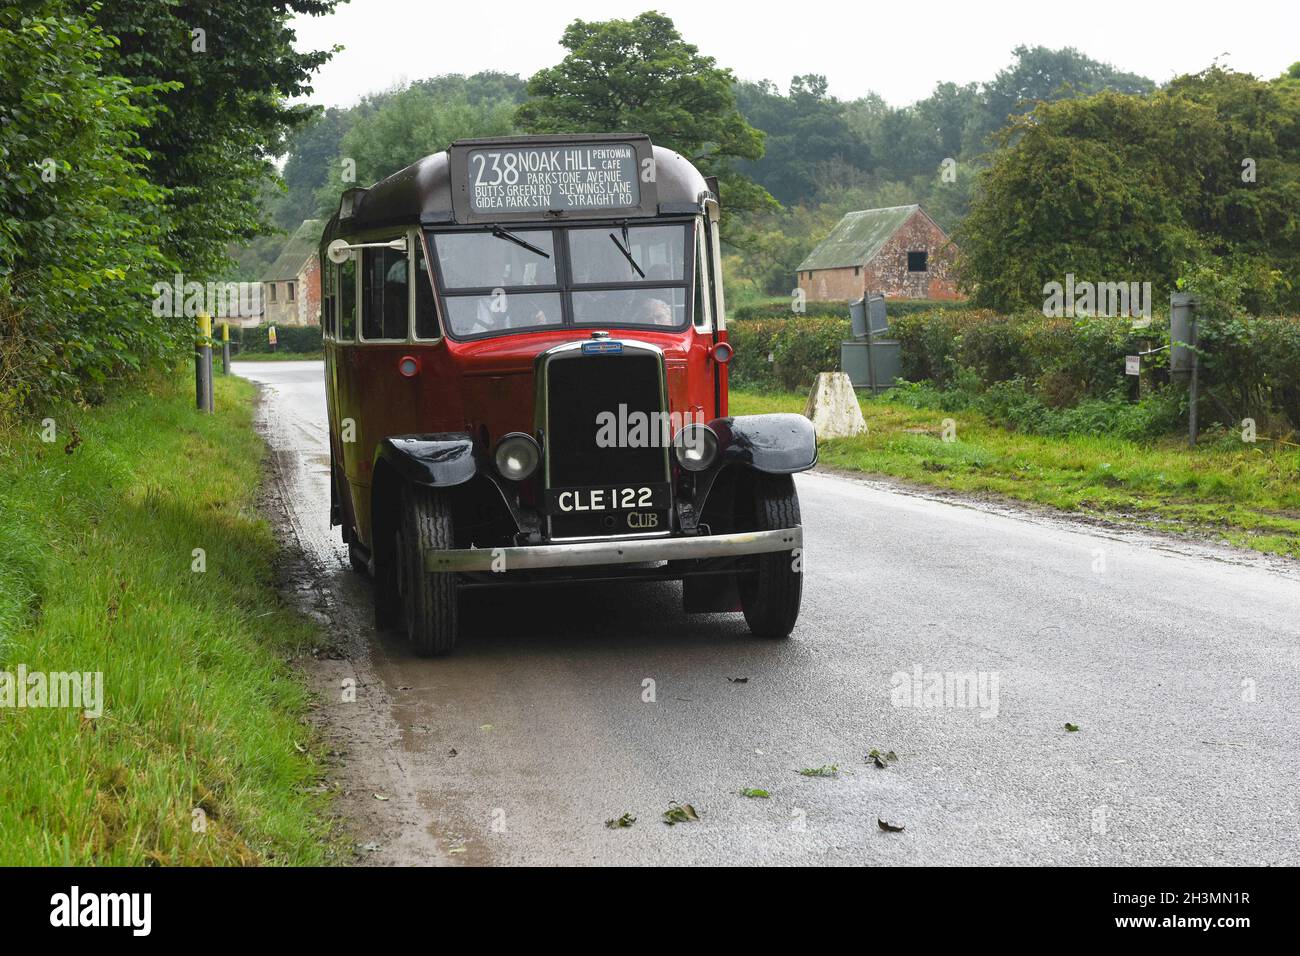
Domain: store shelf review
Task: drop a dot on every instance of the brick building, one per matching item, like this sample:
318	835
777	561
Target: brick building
898	251
291	285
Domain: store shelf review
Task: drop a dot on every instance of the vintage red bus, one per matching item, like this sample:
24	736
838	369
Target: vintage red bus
526	366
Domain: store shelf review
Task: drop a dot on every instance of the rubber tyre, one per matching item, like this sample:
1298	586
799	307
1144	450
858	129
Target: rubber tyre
359	562
770	598
429	603
386	594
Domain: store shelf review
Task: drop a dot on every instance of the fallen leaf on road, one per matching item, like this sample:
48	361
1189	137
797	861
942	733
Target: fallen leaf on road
626	820
380	796
830	770
889	827
1072	728
880	760
755	793
451	752
739	680
680	813
486	727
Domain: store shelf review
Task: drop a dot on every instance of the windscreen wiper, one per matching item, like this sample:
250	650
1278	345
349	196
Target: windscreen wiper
503	234
626	248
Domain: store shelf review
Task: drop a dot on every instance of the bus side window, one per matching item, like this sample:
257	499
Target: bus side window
327	303
347	327
384	292
426	316
703	314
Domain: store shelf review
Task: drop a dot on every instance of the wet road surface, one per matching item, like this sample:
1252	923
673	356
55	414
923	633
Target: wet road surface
963	638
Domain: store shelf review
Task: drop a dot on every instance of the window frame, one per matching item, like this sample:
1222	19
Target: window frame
925	260
468	292
356	300
359	255
329	297
565	286
703	283
418	239
413	236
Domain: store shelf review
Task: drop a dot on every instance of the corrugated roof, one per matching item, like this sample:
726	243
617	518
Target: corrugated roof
857	237
301	245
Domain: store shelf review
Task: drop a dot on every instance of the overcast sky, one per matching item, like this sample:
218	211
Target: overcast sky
897	48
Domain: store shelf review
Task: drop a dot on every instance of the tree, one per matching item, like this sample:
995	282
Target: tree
805	129
640	76
230	69
409	124
77	215
307	166
1127	188
1040	74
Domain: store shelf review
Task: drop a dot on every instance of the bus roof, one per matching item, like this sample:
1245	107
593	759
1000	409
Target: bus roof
422	193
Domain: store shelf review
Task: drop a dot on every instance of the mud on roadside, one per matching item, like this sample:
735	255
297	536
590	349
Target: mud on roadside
376	802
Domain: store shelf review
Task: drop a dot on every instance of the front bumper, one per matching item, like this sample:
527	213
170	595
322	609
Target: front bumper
592	553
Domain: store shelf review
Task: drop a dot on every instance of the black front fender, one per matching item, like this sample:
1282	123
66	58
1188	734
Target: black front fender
777	444
441	460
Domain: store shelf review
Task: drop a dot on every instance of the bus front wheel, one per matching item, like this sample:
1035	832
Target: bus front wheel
770	597
429	605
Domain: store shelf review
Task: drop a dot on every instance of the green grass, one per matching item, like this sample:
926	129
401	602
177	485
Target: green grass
202	711
271	357
1245	494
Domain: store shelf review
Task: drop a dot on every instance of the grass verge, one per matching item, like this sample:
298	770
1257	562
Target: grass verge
1245	494
201	755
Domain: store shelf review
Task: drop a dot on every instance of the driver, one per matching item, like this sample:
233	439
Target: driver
653	309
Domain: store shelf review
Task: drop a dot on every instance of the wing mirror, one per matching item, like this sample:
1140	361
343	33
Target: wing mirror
340	250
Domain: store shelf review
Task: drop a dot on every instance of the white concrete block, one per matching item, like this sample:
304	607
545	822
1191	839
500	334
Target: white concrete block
833	407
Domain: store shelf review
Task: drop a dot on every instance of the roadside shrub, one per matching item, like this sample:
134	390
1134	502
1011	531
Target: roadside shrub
799	348
1251	366
1013	404
806	346
1023	367
78	234
753	341
289	338
780	308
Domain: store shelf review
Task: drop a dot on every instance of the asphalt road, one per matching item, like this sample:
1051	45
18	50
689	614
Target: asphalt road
1179	666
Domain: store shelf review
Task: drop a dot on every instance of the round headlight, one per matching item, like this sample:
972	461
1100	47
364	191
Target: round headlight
517	456
696	447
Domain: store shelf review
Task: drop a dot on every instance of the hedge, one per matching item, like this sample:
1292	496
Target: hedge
289	338
798	349
782	309
1251	366
1069	359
